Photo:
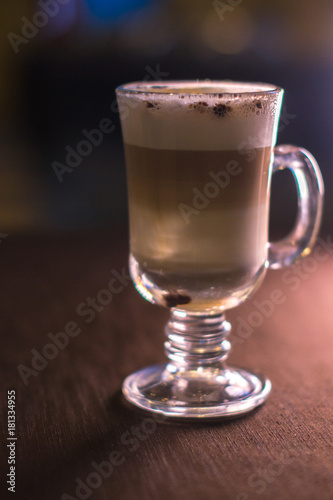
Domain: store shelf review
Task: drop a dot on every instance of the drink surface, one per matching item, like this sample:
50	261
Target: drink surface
198	165
192	118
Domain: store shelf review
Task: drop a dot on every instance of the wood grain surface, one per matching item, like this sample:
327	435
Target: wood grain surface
76	438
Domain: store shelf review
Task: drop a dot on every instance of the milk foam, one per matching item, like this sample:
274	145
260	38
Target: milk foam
199	116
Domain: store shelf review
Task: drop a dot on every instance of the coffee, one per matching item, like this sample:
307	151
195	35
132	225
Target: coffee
198	180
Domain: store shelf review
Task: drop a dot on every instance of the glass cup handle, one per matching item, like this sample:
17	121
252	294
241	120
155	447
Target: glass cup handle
310	194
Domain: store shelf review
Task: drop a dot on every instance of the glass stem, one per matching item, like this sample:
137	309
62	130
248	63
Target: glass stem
196	340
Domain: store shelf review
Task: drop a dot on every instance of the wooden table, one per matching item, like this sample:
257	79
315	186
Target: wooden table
75	436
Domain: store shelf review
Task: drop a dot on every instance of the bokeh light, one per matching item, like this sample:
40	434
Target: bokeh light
230	36
106	10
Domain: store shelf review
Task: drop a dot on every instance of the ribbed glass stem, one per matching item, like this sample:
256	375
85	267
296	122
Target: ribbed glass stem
196	340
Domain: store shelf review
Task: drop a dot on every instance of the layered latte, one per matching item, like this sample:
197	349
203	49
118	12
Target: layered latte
198	160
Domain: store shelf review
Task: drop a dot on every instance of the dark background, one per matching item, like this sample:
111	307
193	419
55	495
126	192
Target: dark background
61	80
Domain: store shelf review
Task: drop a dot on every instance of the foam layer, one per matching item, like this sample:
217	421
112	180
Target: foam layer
208	116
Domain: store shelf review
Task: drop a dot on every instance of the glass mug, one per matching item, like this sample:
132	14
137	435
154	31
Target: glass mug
199	160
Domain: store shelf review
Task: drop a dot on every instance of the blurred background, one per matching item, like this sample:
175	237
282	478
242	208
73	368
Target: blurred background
60	61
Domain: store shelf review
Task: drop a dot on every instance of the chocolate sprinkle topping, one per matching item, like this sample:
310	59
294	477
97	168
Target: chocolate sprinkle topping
199	106
176	299
221	109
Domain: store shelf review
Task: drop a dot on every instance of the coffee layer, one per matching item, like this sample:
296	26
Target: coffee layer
198	223
188	212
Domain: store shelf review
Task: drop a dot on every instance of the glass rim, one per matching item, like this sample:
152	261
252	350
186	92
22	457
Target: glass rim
240	88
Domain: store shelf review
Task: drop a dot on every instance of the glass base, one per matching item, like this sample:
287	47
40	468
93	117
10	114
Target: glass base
205	392
196	382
